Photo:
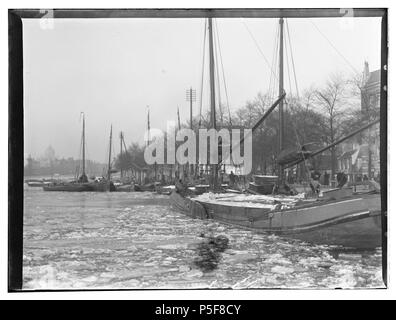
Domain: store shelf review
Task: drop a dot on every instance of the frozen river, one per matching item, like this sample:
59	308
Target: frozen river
136	240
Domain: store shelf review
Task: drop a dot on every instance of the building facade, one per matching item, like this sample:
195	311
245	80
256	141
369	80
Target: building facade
360	157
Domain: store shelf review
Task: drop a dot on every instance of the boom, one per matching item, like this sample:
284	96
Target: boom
315	153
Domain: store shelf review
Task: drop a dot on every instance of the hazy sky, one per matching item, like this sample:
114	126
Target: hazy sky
111	69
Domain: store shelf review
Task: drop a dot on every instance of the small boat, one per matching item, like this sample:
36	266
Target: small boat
82	183
145	187
200	188
166	190
38	182
102	186
125	187
263	184
69	187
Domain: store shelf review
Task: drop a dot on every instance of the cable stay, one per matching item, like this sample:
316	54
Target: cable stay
292	59
216	58
258	47
202	75
272	84
224	78
333	46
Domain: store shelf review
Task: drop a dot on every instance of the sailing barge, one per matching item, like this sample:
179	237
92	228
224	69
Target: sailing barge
83	184
337	217
350	220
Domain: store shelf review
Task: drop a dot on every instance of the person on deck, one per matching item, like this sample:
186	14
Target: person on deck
314	183
326	178
342	179
232	179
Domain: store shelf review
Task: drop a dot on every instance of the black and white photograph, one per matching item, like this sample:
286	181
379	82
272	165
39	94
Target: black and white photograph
193	149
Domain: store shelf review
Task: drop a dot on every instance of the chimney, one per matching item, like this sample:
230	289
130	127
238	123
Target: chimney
366	72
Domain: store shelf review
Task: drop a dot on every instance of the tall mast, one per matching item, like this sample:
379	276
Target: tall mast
121	138
109	163
191	102
212	97
178	165
83	146
178	118
281	91
148	125
191	95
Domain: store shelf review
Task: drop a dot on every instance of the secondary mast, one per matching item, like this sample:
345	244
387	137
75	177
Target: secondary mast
214	170
109	163
83	146
281	92
148	125
121	139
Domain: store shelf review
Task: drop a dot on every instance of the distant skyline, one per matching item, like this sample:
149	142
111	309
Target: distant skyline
112	69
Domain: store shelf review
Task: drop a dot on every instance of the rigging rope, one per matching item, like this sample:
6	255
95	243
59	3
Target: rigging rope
79	156
287	103
88	167
274	88
288	68
257	45
292	59
202	76
79	167
273	66
334	47
216	65
224	79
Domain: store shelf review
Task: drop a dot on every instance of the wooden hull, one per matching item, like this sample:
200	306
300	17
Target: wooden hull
69	187
80	187
125	188
102	186
165	190
261	189
146	187
36	184
354	222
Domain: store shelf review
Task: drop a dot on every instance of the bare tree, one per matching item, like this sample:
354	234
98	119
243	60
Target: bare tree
332	99
305	122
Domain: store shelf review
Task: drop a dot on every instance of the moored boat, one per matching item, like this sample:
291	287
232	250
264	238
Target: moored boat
82	183
166	190
69	187
350	221
102	186
334	217
37	183
125	187
263	184
145	187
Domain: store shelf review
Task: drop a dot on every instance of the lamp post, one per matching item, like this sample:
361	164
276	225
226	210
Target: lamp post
191	97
